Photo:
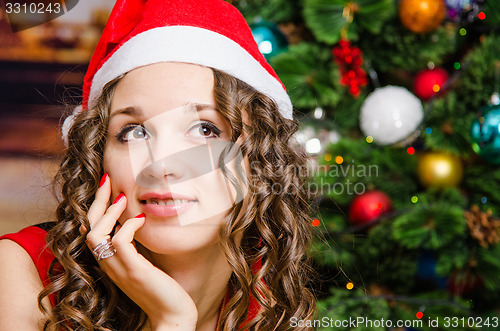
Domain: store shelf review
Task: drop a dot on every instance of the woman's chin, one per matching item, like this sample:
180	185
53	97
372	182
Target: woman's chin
167	239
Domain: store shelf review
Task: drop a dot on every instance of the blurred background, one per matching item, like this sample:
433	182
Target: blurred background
399	109
41	73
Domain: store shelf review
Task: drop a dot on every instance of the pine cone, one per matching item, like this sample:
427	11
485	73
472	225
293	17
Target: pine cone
482	226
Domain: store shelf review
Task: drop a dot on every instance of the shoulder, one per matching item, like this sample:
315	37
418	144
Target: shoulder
32	240
20	285
12	255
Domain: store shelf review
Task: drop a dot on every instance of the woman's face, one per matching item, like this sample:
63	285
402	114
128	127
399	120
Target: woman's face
164	141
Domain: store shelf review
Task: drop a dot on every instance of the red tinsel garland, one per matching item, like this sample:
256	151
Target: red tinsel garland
350	60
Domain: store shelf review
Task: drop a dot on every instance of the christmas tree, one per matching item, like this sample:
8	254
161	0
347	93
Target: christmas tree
399	108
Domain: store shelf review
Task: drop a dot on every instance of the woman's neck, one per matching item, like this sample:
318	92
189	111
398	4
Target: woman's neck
204	275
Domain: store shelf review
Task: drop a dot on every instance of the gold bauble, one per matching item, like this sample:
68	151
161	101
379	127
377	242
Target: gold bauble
422	16
439	170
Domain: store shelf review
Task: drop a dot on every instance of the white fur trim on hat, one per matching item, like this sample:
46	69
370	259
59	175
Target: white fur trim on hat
190	45
68	123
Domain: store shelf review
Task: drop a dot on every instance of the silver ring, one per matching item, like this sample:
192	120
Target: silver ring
104	250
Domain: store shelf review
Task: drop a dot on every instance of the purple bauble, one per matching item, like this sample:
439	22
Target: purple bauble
456	8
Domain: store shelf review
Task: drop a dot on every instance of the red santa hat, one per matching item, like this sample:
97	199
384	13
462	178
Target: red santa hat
211	33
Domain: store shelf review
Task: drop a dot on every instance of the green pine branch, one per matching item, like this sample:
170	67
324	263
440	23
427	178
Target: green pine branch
310	75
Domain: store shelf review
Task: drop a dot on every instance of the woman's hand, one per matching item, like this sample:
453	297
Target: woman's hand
167	304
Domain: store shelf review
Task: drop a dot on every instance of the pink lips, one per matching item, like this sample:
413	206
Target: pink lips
160	210
166	211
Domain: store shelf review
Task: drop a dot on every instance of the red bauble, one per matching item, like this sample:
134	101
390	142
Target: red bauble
369	206
429	82
464	282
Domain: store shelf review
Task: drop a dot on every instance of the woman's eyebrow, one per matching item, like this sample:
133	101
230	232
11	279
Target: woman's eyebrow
137	111
130	110
192	106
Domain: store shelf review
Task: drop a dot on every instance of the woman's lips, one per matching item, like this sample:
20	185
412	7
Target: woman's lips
160	210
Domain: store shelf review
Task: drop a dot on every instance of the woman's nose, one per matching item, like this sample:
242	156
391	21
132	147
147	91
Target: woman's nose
186	164
166	164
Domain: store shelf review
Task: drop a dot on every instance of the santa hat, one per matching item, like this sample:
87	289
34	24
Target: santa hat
211	33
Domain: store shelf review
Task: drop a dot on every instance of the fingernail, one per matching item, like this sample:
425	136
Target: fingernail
103	179
141	215
118	198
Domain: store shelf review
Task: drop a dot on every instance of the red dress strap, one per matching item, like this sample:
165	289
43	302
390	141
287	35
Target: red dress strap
32	239
253	308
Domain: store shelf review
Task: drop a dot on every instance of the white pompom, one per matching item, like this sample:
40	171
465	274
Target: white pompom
390	114
68	123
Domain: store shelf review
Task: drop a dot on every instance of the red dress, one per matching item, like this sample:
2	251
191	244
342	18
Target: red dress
32	239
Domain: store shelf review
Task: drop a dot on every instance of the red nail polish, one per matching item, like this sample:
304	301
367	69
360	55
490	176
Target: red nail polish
118	198
103	179
141	215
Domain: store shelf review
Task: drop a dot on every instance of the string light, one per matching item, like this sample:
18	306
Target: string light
313	146
428	130
481	16
410	150
339	159
414	199
349	286
318	113
369	139
328	157
463	32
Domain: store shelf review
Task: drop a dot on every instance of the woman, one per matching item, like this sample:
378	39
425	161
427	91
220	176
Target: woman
183	204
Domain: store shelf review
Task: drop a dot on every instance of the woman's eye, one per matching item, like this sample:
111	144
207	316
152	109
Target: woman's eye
133	132
205	130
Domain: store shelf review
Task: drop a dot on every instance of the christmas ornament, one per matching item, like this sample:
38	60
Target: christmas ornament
269	38
429	82
482	226
350	60
440	170
369	206
456	8
466	11
421	16
390	114
426	269
465	281
485	134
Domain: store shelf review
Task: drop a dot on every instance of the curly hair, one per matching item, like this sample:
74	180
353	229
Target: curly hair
273	231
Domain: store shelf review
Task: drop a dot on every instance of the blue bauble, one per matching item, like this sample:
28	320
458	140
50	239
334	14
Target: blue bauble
269	38
426	269
485	134
459	4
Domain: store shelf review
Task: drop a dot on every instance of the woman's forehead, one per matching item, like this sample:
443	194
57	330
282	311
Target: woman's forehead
167	84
